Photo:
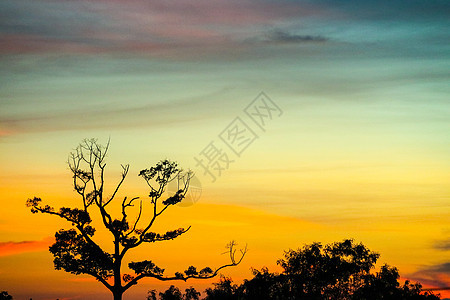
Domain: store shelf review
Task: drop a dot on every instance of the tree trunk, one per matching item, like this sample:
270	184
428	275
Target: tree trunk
117	295
117	289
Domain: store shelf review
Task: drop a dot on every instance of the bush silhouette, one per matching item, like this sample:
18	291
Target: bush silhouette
5	296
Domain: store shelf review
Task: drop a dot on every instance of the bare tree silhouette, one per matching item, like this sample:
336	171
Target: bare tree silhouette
76	251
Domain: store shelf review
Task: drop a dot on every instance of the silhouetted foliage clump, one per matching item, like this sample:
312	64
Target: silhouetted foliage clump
5	296
174	293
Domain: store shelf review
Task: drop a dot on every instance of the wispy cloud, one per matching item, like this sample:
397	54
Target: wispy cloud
159	114
133	26
181	29
13	248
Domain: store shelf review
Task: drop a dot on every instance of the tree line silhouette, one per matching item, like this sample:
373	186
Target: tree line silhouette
336	271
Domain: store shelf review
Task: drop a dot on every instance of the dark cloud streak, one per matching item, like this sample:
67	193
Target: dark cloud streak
279	36
442	245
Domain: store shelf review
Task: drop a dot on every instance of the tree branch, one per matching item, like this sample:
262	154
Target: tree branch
206	273
124	174
162	174
102	280
137	219
79	224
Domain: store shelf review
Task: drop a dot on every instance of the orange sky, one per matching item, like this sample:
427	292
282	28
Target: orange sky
284	191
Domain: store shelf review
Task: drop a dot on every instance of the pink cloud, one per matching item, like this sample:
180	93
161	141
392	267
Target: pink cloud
26	43
212	12
147	27
6	132
13	248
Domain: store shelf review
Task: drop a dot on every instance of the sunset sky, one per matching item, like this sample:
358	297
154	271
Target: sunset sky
355	141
